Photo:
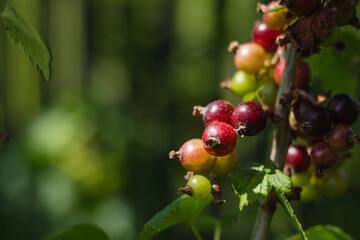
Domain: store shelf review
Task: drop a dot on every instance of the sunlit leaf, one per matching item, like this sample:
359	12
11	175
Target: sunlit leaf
182	210
290	212
255	184
324	232
19	31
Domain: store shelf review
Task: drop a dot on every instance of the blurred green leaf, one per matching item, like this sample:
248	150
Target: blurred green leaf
81	232
182	210
290	212
332	68
249	96
255	184
275	9
19	31
324	232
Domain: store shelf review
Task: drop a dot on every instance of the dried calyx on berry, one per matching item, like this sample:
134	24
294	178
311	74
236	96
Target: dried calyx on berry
193	157
217	111
342	137
248	119
315	121
219	139
323	156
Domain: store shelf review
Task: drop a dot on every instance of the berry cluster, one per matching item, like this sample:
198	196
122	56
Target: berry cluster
328	134
261	63
215	155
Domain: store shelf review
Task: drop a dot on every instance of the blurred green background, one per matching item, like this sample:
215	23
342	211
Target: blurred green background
92	145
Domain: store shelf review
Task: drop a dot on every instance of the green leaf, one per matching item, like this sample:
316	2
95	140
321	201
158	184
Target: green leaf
275	9
324	232
332	69
182	210
85	231
255	184
19	31
290	212
249	96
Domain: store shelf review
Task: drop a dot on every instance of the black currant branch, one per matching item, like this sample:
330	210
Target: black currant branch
281	142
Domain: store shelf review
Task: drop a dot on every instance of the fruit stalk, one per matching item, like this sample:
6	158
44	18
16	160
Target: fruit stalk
281	143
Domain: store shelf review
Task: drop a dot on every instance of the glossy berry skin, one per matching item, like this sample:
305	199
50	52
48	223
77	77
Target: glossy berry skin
242	83
341	137
266	37
275	20
224	165
302	7
302	74
315	121
219	139
343	108
193	156
200	187
299	106
249	57
298	158
218	111
323	156
248	118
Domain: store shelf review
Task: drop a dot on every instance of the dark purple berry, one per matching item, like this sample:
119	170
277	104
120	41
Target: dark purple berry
248	119
297	158
315	121
299	106
343	108
219	139
323	156
217	111
341	137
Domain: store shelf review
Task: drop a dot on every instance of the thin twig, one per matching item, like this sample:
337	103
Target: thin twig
280	145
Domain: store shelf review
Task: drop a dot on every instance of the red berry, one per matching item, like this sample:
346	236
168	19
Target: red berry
315	121
248	119
193	156
217	111
249	57
275	20
341	137
302	74
297	158
323	156
219	139
344	108
266	37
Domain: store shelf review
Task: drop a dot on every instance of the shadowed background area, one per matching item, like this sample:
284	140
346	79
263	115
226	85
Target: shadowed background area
92	145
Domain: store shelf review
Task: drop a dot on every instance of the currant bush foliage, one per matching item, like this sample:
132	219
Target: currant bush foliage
19	31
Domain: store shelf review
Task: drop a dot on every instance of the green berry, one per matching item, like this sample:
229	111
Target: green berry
242	83
200	186
334	184
300	179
